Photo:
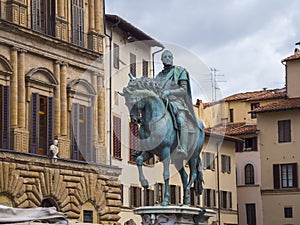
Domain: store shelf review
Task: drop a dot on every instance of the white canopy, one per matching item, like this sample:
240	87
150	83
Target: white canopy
15	215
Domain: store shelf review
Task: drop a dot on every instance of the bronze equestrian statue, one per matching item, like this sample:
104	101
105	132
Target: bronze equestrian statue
163	109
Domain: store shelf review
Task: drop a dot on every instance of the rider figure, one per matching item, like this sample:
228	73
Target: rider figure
177	90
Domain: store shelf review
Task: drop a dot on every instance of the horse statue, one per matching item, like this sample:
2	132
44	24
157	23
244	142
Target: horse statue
158	136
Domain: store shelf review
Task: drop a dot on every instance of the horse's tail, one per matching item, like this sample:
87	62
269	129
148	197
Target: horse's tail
198	184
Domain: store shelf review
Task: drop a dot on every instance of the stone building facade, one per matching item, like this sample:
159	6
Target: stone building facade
52	87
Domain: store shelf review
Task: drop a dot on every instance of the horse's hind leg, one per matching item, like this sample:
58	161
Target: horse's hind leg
184	176
139	162
166	175
193	176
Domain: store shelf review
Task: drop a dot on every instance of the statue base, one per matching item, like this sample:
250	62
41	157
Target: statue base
171	215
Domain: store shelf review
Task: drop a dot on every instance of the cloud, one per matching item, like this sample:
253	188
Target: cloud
245	40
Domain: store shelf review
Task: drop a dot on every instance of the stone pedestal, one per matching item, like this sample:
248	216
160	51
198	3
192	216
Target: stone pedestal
174	215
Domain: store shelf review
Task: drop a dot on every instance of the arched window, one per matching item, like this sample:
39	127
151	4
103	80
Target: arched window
249	174
41	84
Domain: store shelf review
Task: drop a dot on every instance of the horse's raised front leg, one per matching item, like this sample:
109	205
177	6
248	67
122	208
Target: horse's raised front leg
139	162
166	175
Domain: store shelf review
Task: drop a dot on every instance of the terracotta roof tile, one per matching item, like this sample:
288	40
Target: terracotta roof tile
258	95
234	129
292	57
288	104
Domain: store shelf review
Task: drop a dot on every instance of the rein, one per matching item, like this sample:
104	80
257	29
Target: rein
163	115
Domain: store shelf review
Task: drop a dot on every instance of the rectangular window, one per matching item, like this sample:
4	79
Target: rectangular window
223	199
173	194
251	214
133	64
148	197
117	137
254	106
116	56
231	116
43	16
250	144
135	196
285	175
88	216
284	131
226	163
145	68
288	212
209	198
42	124
133	141
82	137
77	24
209	161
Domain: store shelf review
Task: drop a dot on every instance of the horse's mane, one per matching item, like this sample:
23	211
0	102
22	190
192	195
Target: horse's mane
144	83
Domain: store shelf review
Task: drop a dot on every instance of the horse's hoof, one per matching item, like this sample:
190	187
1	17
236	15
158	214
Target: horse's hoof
187	201
145	184
164	203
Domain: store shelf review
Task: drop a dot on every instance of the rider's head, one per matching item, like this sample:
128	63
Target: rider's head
167	58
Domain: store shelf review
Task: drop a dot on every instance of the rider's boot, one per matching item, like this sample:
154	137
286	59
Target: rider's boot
183	142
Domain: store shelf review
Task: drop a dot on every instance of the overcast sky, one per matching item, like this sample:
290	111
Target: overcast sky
245	40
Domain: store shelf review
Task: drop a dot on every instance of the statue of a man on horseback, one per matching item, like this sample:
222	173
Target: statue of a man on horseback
163	110
177	89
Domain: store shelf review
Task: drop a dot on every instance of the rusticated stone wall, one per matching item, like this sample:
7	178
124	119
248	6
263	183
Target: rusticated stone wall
28	179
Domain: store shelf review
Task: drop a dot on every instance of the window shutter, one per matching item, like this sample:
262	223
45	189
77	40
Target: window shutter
116	56
229	164
239	147
50	122
295	175
229	200
205	160
145	68
254	143
75	126
139	197
74	38
205	197
131	194
212	161
151	197
5	117
81	24
178	194
89	134
117	137
78	22
36	14
276	176
223	162
134	141
213	198
34	123
287	131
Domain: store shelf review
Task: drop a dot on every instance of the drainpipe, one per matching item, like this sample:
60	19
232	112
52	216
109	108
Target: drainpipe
110	36
153	72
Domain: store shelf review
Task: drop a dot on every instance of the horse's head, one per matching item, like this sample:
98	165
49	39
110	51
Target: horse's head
135	105
137	94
